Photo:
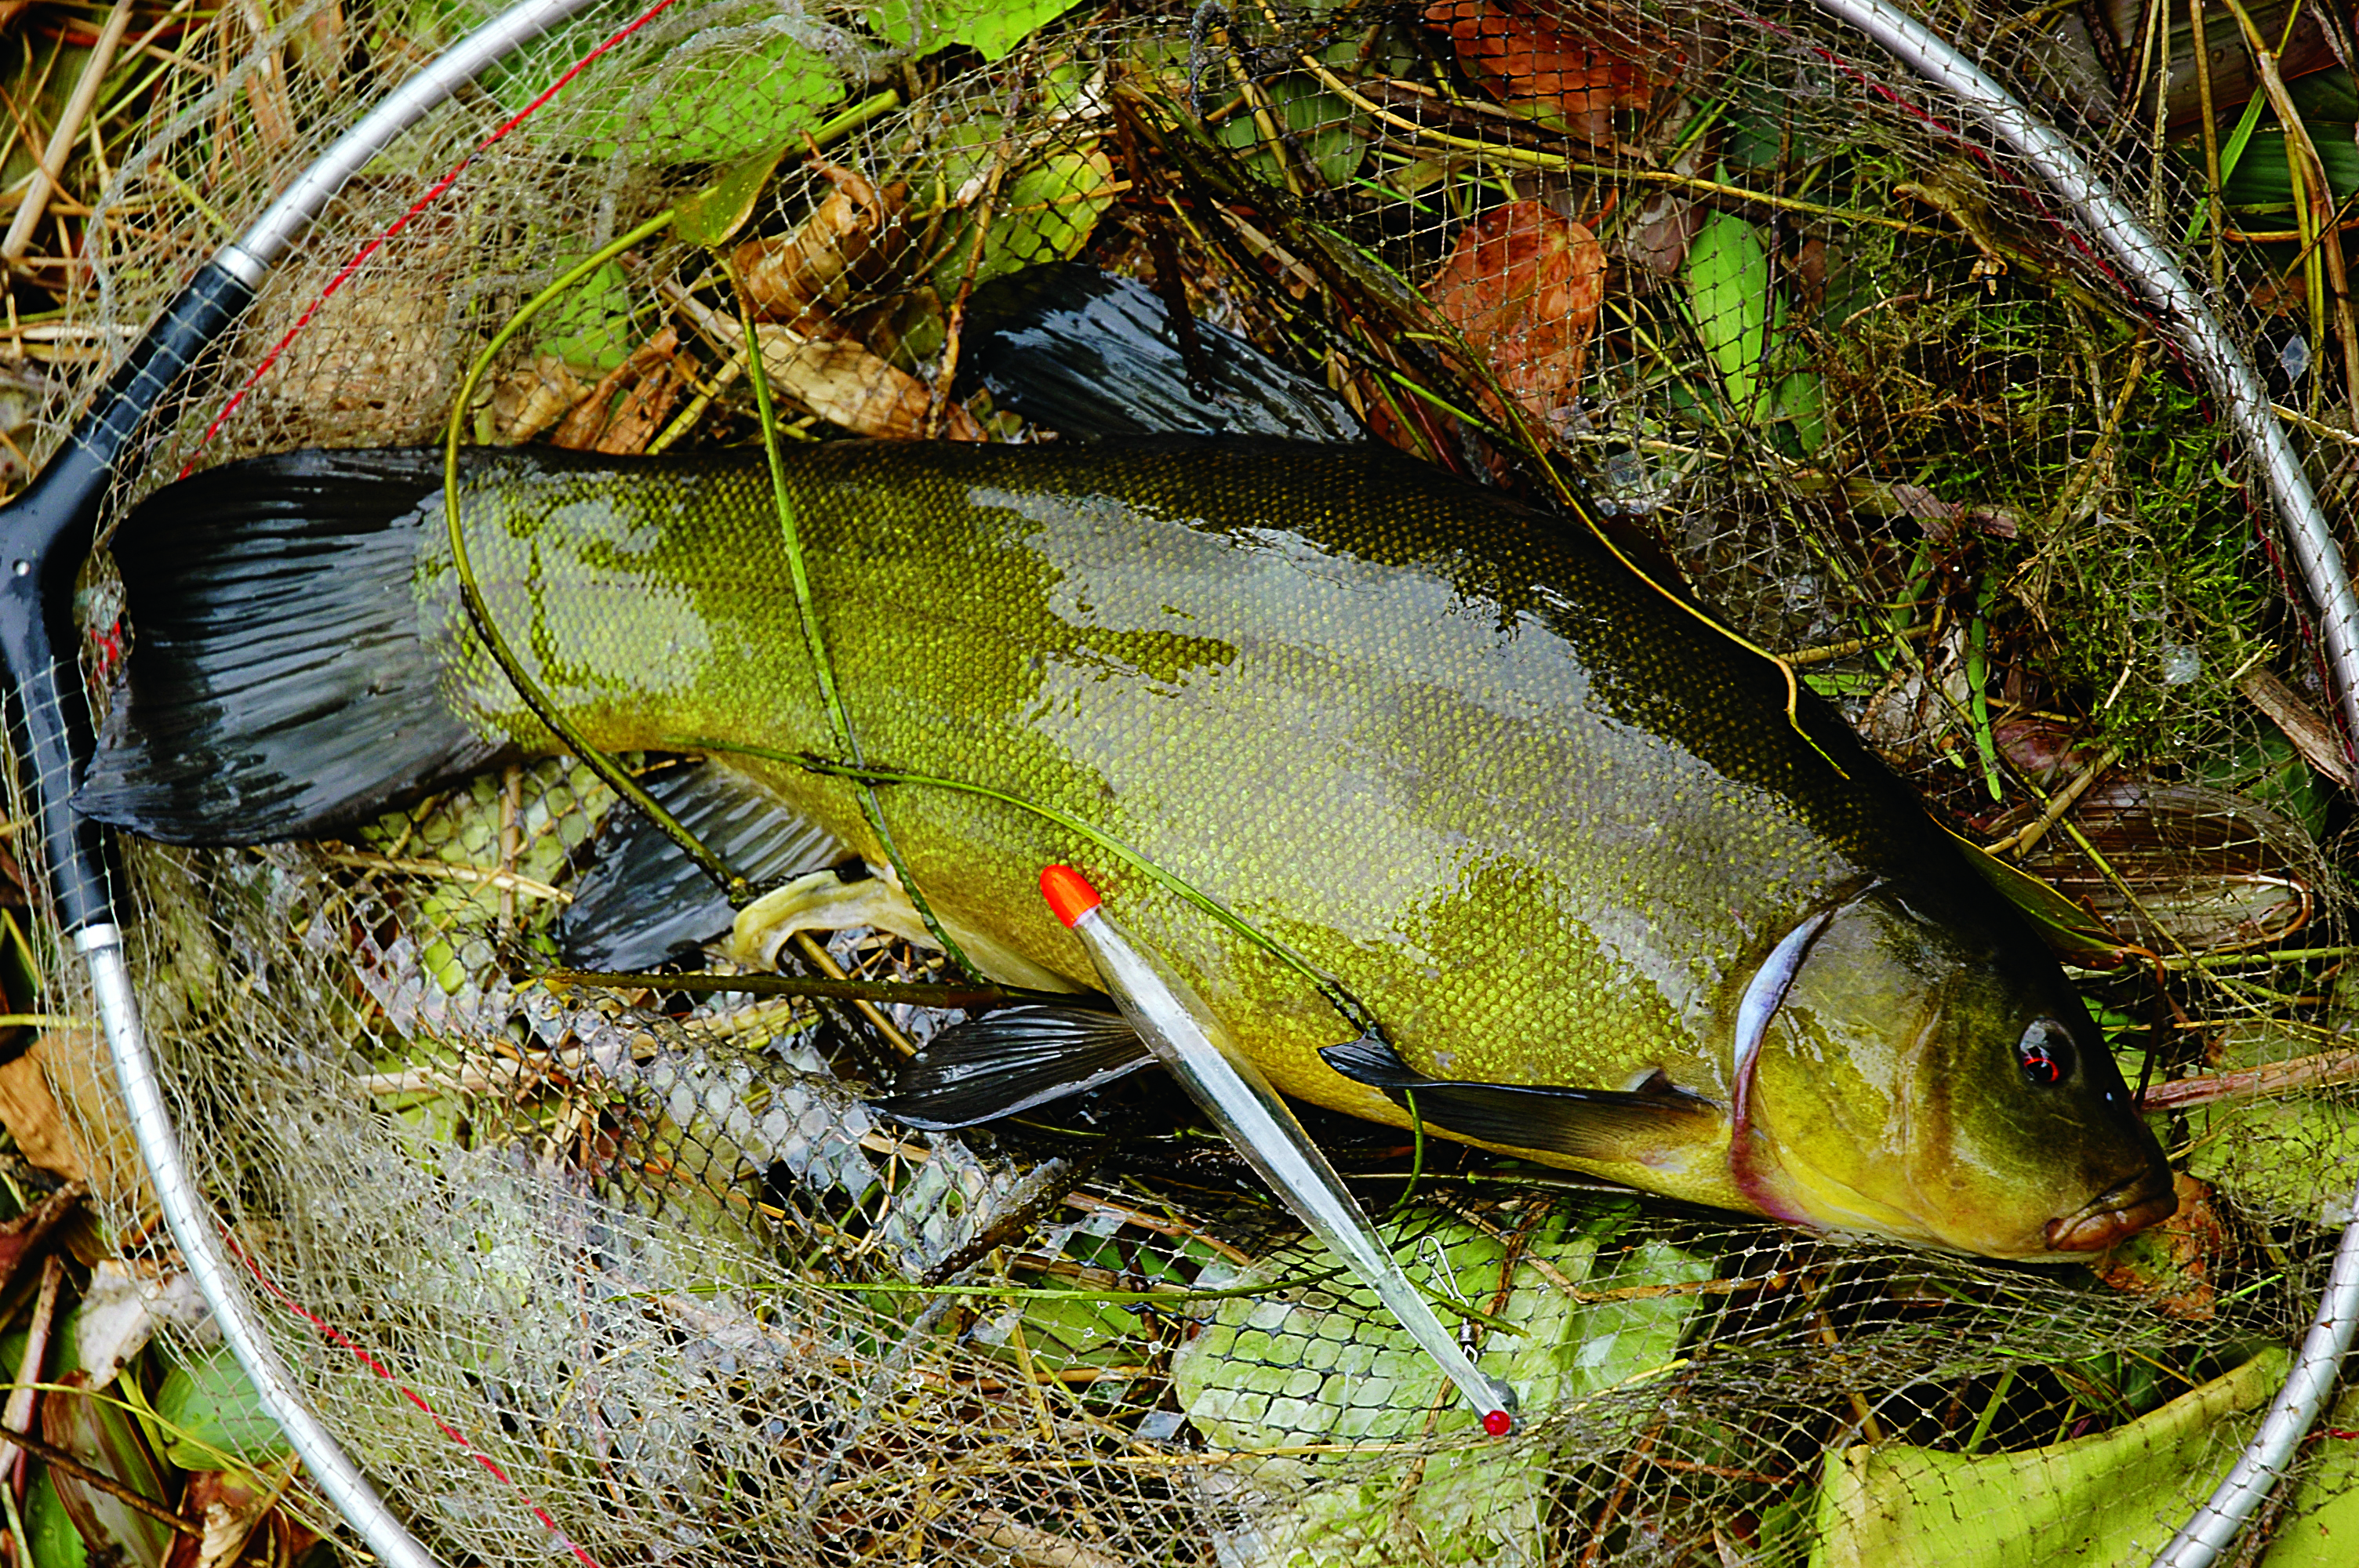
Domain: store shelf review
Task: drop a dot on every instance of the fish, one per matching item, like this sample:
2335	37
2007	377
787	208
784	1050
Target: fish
1612	907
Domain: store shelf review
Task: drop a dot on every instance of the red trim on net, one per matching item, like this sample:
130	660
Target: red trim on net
416	208
336	1337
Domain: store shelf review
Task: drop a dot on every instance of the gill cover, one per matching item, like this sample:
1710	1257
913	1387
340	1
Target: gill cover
1913	1072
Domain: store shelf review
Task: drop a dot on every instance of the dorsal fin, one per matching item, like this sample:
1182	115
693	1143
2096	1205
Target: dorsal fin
1088	355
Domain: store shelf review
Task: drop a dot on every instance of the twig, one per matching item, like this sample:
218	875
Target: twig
938	405
2020	841
820	959
1826	653
24	1395
2218	209
64	134
2093	467
2252	1083
65	1463
1090	1203
448	871
2299	724
2311	188
511	807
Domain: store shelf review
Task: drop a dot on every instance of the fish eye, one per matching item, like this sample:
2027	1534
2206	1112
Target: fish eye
2045	1054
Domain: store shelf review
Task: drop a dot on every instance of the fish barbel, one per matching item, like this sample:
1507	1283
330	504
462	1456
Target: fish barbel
1614	909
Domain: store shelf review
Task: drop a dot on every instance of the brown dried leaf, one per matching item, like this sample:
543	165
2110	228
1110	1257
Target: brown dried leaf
230	1504
535	397
587	426
644	409
846	384
1658	239
22	1237
840	381
1609	63
804	277
2301	724
60	1103
1523	287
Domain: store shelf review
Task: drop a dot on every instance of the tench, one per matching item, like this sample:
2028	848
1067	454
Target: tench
1611	908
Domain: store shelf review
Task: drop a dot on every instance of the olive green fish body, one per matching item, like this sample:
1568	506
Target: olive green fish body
1530	814
1546	824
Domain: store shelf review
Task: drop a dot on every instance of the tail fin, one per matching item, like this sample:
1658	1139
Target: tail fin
278	687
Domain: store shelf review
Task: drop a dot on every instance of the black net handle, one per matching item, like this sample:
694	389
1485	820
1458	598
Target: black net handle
45	535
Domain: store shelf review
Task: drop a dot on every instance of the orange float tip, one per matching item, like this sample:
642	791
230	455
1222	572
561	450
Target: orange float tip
1498	1423
1069	893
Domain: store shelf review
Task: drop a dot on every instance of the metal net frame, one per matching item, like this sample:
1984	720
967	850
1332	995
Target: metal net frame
668	1288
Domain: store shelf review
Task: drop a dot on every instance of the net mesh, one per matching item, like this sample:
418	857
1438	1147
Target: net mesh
670	1289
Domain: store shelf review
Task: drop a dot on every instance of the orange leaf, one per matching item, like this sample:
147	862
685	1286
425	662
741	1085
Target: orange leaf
2170	1265
1608	64
1523	287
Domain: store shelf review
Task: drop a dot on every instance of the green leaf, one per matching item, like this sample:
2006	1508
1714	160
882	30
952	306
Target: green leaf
213	1419
991	27
591	326
2064	926
1330	1366
2324	95
2322	1518
1728	290
716	213
2113	1497
1322	131
1044	214
2263	178
1801	403
51	1534
708	106
2269	769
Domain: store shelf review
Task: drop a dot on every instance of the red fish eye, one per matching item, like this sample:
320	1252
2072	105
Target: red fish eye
2045	1054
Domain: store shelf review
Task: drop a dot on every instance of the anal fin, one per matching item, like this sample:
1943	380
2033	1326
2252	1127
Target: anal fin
1603	1125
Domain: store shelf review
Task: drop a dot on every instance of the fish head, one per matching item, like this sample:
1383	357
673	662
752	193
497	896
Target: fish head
1906	1069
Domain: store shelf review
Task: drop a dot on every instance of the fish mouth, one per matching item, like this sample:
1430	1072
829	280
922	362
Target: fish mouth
2119	1212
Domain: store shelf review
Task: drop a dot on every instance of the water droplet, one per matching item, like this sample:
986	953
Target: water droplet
2293	357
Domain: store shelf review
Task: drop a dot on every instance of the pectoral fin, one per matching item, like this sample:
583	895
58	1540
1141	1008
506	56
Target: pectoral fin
1582	1124
1010	1060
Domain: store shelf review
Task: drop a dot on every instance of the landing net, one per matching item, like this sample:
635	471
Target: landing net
671	1291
